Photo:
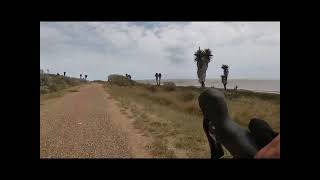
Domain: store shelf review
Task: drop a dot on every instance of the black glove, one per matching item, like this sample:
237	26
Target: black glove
220	129
261	132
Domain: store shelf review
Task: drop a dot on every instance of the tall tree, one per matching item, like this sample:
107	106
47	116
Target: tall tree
157	76
225	70
202	57
224	77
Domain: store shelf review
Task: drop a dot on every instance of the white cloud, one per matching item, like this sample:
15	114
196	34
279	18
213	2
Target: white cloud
251	49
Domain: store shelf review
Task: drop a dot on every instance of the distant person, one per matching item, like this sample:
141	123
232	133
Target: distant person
129	76
64	73
126	75
236	88
80	76
85	76
157	76
58	74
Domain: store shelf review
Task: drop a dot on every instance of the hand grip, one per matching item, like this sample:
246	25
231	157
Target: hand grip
236	139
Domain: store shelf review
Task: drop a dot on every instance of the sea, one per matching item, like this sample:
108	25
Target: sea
267	86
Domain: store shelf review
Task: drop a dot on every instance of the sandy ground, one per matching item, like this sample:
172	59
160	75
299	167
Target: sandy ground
88	124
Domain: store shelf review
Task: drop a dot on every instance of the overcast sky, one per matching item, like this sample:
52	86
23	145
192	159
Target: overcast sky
251	49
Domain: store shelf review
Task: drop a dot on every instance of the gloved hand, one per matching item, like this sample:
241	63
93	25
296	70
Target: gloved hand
220	129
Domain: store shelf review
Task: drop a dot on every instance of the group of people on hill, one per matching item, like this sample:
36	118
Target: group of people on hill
158	78
128	76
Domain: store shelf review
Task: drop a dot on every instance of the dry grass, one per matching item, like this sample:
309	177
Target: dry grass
59	93
174	120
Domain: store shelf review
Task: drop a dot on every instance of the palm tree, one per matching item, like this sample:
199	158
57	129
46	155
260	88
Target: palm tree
159	75
225	70
224	81
202	57
224	78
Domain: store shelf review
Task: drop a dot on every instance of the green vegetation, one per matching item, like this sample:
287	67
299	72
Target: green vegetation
50	83
202	58
169	86
120	80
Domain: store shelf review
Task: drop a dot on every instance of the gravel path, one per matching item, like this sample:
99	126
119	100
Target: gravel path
88	124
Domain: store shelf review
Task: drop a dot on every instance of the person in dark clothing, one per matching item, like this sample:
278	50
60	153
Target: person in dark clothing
80	76
126	75
64	73
157	76
129	76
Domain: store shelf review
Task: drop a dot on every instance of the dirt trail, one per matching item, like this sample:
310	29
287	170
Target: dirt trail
88	124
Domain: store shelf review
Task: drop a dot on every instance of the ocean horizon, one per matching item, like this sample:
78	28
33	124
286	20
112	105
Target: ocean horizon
258	85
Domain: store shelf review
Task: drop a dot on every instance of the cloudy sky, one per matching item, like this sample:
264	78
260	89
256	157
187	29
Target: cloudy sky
251	49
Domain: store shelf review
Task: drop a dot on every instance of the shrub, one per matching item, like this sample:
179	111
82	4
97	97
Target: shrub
169	86
52	83
186	96
152	88
119	80
44	90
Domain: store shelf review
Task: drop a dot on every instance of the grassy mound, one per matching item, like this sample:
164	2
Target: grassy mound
52	83
120	80
169	86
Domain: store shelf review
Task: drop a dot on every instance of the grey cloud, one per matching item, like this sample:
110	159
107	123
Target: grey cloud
144	47
176	54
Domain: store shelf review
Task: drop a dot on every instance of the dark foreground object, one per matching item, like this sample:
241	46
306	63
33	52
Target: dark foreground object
220	129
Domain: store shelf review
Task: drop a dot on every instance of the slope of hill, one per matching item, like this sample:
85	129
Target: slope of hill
53	83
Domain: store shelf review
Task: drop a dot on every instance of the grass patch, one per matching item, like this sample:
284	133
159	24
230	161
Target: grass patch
52	95
175	117
160	150
58	93
50	83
